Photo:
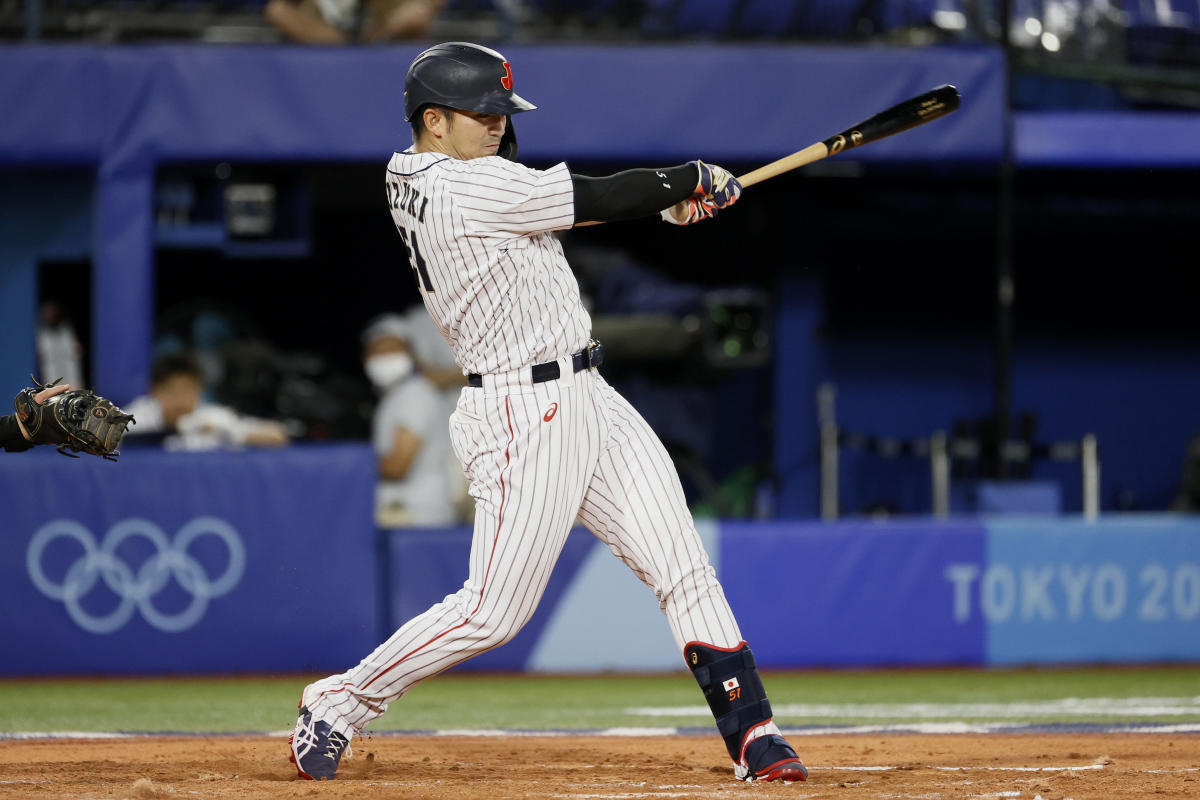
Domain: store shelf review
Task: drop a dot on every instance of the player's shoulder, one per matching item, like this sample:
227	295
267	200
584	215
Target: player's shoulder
406	163
495	167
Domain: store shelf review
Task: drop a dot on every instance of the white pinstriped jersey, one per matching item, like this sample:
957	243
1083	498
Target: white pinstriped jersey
492	274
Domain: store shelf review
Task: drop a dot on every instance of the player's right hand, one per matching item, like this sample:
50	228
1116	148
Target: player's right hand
50	391
689	211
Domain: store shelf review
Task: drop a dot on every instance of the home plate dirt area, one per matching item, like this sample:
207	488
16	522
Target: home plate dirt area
1050	766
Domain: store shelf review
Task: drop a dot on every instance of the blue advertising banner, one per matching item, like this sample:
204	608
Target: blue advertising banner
853	593
1124	589
269	561
188	562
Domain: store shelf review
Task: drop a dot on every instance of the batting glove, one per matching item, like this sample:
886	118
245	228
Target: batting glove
717	186
715	189
693	210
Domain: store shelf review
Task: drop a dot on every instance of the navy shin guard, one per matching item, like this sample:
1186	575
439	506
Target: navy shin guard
730	682
735	694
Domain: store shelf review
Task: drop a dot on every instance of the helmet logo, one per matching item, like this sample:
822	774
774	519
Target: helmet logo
507	81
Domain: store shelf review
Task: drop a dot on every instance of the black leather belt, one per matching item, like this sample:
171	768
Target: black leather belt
590	356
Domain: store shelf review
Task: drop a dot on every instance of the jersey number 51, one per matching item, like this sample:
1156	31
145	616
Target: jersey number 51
413	252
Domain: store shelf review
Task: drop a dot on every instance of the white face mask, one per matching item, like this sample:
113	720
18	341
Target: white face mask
386	369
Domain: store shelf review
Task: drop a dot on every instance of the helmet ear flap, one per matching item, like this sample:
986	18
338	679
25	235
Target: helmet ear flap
508	142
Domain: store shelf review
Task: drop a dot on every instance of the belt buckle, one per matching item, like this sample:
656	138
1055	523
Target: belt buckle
595	354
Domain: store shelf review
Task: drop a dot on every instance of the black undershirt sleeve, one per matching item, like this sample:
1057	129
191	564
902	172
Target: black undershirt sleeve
11	438
632	193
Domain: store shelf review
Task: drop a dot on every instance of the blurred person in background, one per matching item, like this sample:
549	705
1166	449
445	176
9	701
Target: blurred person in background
408	431
59	353
436	362
175	413
434	356
346	21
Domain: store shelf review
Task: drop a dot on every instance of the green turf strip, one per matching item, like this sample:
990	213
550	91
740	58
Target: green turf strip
462	700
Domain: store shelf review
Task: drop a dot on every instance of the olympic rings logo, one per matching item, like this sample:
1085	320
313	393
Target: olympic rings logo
136	588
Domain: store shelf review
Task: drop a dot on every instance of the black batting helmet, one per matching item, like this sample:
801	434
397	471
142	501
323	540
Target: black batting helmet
466	77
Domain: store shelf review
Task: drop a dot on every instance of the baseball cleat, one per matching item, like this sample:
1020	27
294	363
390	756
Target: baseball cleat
316	748
771	758
789	771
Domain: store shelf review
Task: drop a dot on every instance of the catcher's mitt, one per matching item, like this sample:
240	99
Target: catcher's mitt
78	420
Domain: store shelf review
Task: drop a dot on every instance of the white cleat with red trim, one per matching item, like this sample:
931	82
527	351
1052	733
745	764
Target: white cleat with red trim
767	756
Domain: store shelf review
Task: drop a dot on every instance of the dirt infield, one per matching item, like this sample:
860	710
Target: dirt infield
1052	766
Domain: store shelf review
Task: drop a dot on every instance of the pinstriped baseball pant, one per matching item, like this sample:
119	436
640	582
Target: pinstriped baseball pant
538	456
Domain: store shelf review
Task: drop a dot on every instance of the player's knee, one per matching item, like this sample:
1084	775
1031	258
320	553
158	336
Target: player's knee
489	621
495	638
694	582
485	638
493	632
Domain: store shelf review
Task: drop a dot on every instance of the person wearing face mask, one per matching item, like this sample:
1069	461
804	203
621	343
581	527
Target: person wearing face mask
435	360
408	431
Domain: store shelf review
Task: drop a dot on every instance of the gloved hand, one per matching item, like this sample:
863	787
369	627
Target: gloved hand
717	185
715	189
78	420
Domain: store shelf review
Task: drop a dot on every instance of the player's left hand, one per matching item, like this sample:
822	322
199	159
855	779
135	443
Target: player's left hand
717	186
715	189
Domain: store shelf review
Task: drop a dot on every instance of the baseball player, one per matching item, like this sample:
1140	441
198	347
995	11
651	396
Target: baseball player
542	438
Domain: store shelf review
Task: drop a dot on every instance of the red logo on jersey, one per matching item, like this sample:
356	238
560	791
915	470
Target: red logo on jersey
550	414
506	81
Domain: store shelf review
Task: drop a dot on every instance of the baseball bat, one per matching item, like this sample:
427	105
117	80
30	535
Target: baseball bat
925	107
915	111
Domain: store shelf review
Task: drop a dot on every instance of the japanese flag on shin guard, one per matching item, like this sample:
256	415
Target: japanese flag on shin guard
735	694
